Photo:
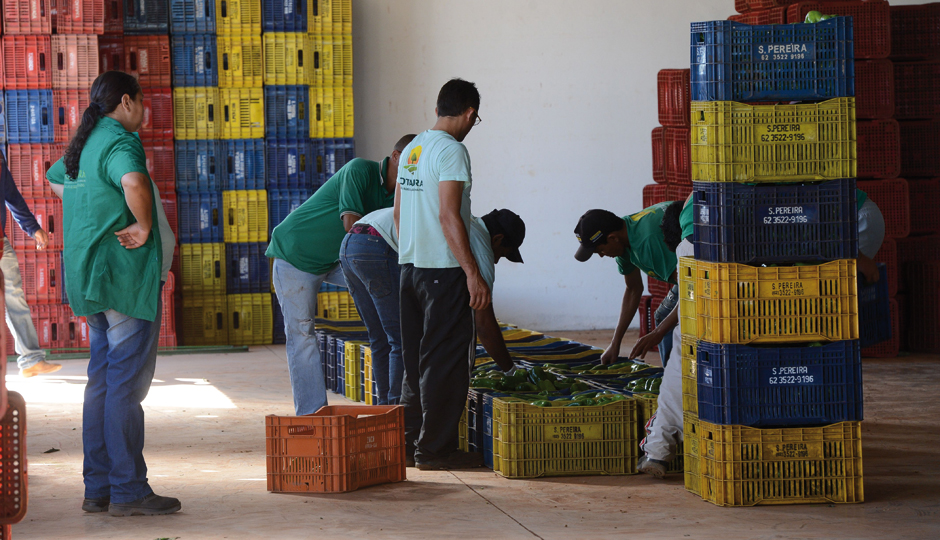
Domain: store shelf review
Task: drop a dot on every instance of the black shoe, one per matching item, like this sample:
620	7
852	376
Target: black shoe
456	460
96	505
151	505
409	462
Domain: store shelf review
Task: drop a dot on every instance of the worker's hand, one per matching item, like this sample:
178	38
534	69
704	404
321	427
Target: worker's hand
646	343
133	237
479	292
41	238
869	269
611	354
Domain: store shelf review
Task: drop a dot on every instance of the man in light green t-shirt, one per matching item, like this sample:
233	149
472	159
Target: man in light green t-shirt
305	249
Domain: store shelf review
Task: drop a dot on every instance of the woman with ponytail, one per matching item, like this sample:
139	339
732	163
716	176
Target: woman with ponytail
118	248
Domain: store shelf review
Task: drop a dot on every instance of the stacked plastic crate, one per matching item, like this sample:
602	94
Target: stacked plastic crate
769	306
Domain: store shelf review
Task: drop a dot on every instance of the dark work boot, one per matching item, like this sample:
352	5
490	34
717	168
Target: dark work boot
96	505
151	505
456	460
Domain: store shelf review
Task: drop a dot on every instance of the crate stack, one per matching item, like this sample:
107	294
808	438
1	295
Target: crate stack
769	304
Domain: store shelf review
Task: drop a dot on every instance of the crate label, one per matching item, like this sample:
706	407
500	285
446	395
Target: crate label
291	162
785	288
793	450
703	215
239	166
770	52
200	59
288	7
785	132
574	432
243	268
291	108
200	9
143	61
792	375
77	10
204	219
787	215
202	166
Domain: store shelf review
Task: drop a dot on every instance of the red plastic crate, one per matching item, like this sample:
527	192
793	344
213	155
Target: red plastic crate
923	308
874	88
114	17
777	15
920	148
42	276
888	254
657	288
175	268
914	34
654	194
48	214
915	249
3	367
75	61
80	17
68	108
27	17
27	62
158	114
169	208
890	348
148	59
168	321
336	449
871	22
916	90
744	6
674	97
28	164
52	325
678	156
14	491
925	205
893	200
161	164
879	148
646	315
678	192
110	53
659	154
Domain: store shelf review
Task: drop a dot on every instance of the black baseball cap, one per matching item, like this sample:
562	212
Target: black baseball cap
592	229
511	226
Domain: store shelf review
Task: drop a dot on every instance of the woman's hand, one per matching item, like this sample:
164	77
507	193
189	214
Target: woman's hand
133	237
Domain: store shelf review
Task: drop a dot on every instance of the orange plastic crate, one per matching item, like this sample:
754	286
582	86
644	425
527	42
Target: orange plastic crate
48	214
27	62
13	476
28	164
110	53
160	164
42	276
336	449
52	325
68	106
114	17
158	114
74	61
148	59
27	17
80	16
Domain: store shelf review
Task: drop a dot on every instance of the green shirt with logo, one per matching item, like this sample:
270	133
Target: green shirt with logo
647	250
309	238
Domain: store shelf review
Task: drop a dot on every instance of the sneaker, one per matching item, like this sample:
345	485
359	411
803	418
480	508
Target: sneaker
651	466
40	368
151	505
456	460
96	505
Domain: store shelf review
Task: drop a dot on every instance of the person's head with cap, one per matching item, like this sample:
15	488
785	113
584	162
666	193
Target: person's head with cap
601	232
507	232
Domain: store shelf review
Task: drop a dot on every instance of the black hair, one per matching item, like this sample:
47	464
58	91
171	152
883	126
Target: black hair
672	231
404	141
105	95
456	96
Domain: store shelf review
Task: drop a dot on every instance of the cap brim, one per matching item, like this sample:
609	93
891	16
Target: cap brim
514	256
584	253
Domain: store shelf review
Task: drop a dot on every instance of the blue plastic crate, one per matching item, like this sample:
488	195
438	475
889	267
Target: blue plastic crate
487	439
779	386
739	62
192	17
3	124
336	154
244	164
476	421
767	223
331	362
284	15
199	166
286	112
142	17
194	60
282	202
290	164
340	355
200	217
279	335
29	116
247	267
874	317
329	287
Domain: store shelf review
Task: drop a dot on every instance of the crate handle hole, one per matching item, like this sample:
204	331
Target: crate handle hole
211	164
235	320
225	113
42	8
218	321
132	60
52	277
316	59
300	59
224	9
215	217
211	113
318	113
131	8
50	224
208	60
44	116
218	269
61	116
225	61
59	57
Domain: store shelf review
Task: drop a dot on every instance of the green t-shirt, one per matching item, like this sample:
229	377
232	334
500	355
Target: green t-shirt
860	198
647	250
309	238
686	220
102	274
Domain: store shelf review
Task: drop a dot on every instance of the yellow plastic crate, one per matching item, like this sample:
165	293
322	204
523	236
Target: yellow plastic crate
737	142
329	16
245	215
367	378
351	367
241	61
196	113
287	58
242	113
332	112
203	268
250	319
203	320
743	466
341	307
332	63
689	375
238	17
692	440
530	441
741	304
685	273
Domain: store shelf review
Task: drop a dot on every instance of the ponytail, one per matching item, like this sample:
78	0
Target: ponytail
105	95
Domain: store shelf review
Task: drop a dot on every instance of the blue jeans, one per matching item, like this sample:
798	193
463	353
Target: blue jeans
123	357
297	292
664	309
374	279
19	320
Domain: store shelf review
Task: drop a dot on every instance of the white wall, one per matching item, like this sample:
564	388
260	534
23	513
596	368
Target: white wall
568	102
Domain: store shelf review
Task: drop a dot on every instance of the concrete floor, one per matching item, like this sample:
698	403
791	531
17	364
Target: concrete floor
205	445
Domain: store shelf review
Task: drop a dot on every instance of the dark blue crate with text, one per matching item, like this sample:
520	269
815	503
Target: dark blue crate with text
874	317
248	268
291	164
200	217
286	111
244	164
143	17
194	60
199	166
29	116
192	17
284	15
282	202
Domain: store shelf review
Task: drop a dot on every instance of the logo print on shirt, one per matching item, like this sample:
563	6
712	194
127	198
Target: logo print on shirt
413	158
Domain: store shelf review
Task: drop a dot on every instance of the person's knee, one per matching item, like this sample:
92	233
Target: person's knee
306	327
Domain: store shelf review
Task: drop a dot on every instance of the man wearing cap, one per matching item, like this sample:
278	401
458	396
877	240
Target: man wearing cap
369	258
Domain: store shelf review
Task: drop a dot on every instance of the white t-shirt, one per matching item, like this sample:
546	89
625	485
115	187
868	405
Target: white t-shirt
431	158
166	236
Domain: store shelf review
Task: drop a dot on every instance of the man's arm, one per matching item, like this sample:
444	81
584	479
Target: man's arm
14	200
450	195
491	337
350	219
628	307
651	340
138	195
